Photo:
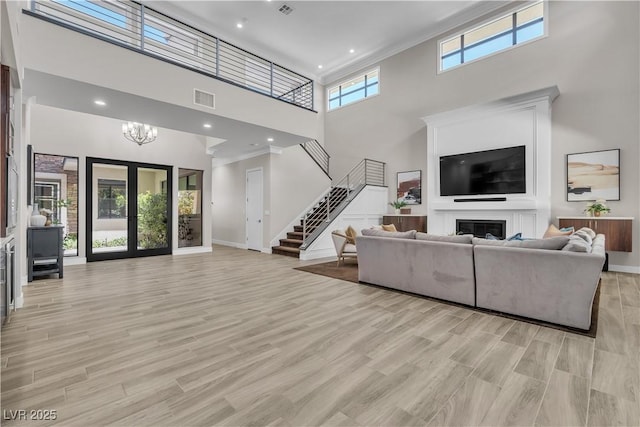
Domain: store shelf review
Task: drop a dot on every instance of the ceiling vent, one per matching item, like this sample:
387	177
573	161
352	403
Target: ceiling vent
204	99
285	9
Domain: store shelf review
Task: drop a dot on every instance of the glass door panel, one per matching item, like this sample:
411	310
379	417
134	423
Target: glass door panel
128	209
153	225
110	206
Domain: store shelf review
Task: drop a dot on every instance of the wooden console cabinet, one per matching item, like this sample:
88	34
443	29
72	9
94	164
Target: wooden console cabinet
45	252
617	230
407	222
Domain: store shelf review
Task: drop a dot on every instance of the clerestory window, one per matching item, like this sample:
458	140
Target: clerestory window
523	25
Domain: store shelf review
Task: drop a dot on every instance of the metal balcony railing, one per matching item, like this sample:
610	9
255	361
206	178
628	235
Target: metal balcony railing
137	27
314	222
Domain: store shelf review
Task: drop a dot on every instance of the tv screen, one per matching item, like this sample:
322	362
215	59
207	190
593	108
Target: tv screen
500	171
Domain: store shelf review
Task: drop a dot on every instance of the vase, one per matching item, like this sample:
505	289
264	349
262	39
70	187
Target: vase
38	220
397	211
596	213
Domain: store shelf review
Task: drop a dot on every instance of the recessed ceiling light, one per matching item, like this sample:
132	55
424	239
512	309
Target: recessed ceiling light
207	125
270	139
255	144
351	50
242	23
100	102
239	25
320	67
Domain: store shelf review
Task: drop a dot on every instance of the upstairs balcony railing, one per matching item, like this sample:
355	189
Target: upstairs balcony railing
137	27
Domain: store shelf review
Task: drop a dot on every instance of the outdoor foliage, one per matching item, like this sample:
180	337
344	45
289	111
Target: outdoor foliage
152	220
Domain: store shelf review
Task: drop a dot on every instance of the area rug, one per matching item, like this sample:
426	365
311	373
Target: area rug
349	272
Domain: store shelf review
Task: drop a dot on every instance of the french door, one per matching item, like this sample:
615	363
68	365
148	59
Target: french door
128	209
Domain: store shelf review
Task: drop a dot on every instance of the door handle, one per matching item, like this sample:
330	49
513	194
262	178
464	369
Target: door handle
259	221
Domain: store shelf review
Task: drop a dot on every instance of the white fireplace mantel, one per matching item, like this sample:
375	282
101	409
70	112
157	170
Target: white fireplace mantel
519	120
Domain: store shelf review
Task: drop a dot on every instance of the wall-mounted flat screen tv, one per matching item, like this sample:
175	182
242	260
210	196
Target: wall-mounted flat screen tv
500	171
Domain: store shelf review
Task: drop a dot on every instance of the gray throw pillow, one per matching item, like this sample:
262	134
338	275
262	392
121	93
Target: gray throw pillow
584	235
411	234
577	244
589	231
461	238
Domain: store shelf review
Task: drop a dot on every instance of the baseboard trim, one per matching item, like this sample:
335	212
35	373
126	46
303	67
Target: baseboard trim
624	269
315	254
74	260
266	250
192	250
230	244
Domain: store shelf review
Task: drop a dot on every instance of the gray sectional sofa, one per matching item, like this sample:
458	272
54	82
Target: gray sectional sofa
520	278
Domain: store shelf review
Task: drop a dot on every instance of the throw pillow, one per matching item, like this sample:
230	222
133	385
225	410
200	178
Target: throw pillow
584	235
589	231
553	231
517	236
461	238
351	234
390	227
490	236
398	234
577	244
571	229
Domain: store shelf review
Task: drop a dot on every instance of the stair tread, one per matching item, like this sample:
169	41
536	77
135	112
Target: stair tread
288	240
286	249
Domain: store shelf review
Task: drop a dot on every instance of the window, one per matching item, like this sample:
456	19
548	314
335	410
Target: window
112	200
510	30
354	90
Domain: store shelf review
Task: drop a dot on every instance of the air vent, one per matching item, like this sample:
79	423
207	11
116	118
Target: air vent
285	9
204	99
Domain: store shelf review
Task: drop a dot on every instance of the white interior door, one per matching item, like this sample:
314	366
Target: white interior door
254	209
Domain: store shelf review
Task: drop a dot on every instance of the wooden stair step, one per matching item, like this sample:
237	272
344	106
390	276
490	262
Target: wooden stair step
298	235
291	243
285	250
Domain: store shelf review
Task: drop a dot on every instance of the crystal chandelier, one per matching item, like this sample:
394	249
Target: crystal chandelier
139	132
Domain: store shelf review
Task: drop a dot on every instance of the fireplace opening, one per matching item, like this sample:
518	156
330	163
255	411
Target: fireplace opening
480	227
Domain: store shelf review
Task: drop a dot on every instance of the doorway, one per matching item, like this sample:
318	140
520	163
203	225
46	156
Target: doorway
128	209
254	209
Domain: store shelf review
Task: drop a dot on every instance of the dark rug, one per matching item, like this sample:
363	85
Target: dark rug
348	271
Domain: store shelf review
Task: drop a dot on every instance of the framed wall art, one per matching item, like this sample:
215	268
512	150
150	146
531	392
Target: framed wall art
410	187
593	175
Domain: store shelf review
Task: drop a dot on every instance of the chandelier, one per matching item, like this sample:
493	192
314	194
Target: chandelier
139	132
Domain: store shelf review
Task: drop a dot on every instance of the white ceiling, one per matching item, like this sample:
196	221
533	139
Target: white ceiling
316	32
322	32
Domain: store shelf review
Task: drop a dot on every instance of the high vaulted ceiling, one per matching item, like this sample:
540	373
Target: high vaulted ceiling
323	32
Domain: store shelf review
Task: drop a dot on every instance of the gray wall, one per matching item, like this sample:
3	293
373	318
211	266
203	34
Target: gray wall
591	54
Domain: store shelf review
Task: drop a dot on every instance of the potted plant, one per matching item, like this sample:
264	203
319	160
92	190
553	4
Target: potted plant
399	205
597	208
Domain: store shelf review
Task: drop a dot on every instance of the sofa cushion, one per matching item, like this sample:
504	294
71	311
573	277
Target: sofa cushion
552	243
577	244
553	231
461	238
398	234
390	227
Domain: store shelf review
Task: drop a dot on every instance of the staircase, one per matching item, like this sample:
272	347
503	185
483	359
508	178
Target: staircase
314	219
314	222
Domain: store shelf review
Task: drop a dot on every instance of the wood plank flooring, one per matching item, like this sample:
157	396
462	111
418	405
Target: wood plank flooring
240	338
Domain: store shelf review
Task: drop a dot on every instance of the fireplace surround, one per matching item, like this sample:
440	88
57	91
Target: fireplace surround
482	227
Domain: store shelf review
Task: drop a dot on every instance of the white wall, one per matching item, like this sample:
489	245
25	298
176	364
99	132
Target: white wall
292	181
592	54
53	49
68	133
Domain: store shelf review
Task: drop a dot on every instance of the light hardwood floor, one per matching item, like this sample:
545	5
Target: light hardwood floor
239	338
